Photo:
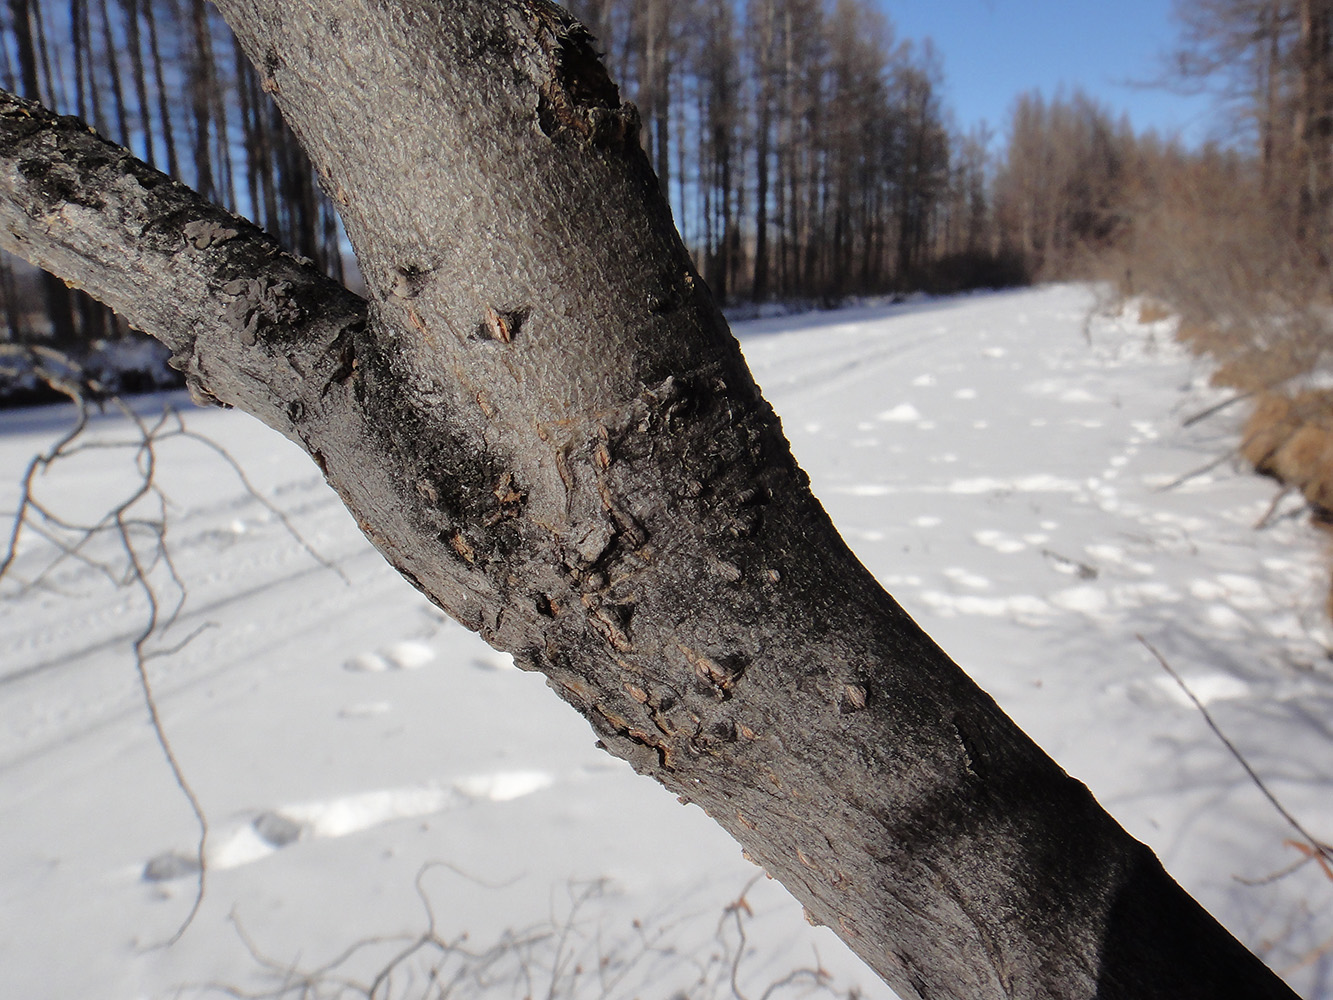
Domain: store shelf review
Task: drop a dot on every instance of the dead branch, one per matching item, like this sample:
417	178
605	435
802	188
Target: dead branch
1267	518
1311	846
1200	471
140	538
1217	408
426	964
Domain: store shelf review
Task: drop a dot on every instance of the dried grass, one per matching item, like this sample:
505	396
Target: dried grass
1212	243
1291	439
1272	422
1152	311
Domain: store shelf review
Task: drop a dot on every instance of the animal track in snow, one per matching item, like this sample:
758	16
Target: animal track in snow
1037	483
1026	609
270	830
1243	592
404	655
966	578
999	541
903	413
1206	687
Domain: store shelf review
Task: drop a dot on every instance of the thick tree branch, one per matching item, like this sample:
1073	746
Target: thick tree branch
214	288
546	426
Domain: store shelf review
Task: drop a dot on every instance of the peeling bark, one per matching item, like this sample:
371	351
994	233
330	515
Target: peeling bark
540	418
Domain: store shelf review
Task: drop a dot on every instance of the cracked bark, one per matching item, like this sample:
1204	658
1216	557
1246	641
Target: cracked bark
540	418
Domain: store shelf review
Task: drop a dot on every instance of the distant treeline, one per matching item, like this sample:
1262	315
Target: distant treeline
804	147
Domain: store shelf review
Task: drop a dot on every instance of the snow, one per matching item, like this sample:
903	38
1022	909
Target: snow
999	461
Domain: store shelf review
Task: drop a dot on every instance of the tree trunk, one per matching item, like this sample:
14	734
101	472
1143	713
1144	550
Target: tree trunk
113	71
540	419
201	84
134	41
159	80
1315	125
55	295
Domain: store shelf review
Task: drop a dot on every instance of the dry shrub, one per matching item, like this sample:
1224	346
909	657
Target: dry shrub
1299	459
1255	367
1291	439
572	956
1203	338
1152	311
1209	241
1273	421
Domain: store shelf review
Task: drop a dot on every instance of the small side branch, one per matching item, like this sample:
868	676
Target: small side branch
1216	408
1195	473
249	324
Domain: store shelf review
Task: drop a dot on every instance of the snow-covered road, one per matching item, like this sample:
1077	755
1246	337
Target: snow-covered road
1003	463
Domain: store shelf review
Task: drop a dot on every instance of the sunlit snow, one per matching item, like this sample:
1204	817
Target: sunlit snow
1024	490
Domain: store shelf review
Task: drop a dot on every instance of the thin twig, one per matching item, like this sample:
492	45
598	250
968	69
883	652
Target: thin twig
733	911
1195	473
268	505
1262	523
40	462
142	543
1317	847
424	964
1216	408
141	656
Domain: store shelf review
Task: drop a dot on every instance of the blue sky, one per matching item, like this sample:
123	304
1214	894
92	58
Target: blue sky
993	50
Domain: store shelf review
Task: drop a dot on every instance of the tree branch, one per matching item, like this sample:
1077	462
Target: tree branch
214	288
545	425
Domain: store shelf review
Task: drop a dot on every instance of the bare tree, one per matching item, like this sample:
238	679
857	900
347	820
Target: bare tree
1061	188
537	414
1272	62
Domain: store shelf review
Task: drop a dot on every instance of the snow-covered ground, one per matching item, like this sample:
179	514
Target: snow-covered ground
1001	462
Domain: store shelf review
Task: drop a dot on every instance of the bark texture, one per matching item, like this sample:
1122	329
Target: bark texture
540	418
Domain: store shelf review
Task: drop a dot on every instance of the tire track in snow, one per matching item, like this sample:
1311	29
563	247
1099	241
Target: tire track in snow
106	700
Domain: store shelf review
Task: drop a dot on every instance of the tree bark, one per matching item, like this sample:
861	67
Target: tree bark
541	420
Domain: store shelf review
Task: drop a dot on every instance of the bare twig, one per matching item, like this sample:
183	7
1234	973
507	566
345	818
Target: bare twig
1263	522
425	964
267	504
1308	959
1195	473
138	524
733	913
1317	849
1217	408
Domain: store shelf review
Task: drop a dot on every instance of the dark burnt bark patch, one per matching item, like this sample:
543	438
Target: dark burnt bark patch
578	97
455	485
56	183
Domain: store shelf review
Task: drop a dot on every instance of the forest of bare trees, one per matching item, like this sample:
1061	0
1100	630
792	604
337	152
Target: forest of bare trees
166	79
805	155
803	145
